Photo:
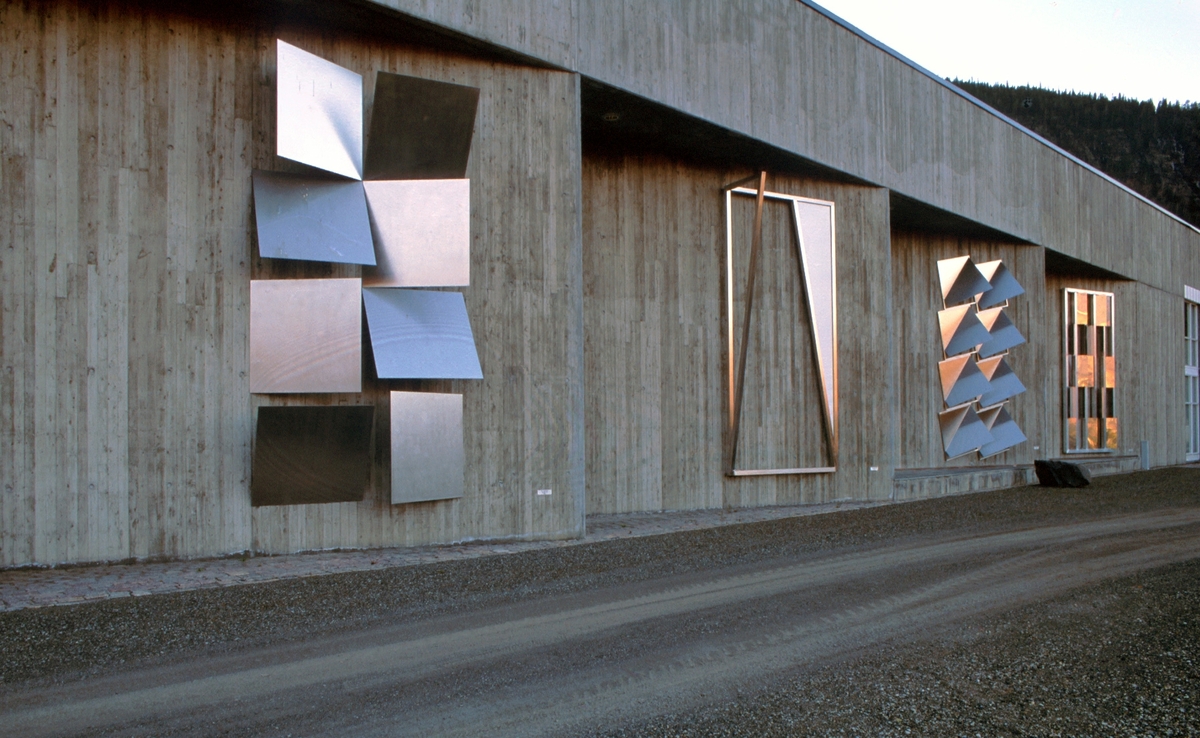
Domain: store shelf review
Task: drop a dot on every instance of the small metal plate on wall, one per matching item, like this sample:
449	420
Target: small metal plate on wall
319	120
308	455
422	231
300	217
306	335
421	334
420	128
427	446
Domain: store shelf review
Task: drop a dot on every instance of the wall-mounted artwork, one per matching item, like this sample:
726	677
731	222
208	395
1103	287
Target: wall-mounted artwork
813	232
1090	371
400	207
976	336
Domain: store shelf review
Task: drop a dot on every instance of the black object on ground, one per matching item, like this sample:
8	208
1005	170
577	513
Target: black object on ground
1056	473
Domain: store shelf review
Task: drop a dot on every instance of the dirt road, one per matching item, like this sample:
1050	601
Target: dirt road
593	660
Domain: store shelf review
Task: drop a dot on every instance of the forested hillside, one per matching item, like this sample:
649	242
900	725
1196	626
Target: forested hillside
1154	149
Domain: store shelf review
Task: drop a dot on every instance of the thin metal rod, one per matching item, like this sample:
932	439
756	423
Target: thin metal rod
752	271
740	182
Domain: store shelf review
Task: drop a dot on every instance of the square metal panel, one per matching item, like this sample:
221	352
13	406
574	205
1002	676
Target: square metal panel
422	231
307	455
961	280
421	334
319	112
306	335
312	219
420	128
427	447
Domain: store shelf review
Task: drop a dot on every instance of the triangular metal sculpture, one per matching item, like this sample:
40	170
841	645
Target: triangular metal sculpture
961	380
1004	431
961	280
814	231
1004	286
1002	334
975	378
961	329
1003	383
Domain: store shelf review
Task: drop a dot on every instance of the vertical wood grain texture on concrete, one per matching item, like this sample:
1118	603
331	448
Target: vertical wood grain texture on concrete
654	253
916	300
779	71
126	253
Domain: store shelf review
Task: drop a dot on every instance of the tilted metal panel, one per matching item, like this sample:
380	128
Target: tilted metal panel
422	231
817	251
299	217
961	329
420	128
962	431
306	335
427	446
961	281
1004	286
307	455
319	119
421	334
961	379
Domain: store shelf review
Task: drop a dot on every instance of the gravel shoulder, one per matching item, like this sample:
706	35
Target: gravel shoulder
931	683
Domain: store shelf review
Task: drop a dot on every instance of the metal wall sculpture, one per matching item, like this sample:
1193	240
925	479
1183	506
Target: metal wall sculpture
813	228
1089	403
975	376
408	225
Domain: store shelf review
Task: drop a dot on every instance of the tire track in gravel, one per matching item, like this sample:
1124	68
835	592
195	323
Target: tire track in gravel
1002	570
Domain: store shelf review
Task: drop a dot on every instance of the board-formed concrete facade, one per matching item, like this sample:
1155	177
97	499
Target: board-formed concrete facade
605	134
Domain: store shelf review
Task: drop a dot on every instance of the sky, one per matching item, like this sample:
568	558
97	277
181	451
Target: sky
1141	49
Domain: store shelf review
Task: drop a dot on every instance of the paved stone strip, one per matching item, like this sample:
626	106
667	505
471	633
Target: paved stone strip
44	587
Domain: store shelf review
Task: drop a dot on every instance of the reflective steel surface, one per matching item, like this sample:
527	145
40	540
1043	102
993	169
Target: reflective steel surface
1002	382
420	128
961	379
422	231
1004	286
1005	432
962	431
815	234
427	446
420	334
961	280
300	217
307	455
961	329
306	335
1002	334
319	112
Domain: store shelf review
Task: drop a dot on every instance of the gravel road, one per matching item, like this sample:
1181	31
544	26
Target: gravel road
1022	612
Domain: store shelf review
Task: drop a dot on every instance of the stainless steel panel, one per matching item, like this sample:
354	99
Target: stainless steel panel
319	120
420	128
1005	432
961	379
1002	334
1004	286
962	431
316	220
961	329
422	231
427	447
307	455
961	280
421	334
306	335
1002	382
817	249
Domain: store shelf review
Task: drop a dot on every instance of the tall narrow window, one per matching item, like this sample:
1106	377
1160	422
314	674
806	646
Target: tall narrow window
1191	377
1089	406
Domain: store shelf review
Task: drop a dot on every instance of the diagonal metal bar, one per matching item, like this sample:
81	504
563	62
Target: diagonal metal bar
752	271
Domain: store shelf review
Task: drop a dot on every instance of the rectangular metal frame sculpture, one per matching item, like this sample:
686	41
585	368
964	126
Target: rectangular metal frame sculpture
820	280
1089	372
